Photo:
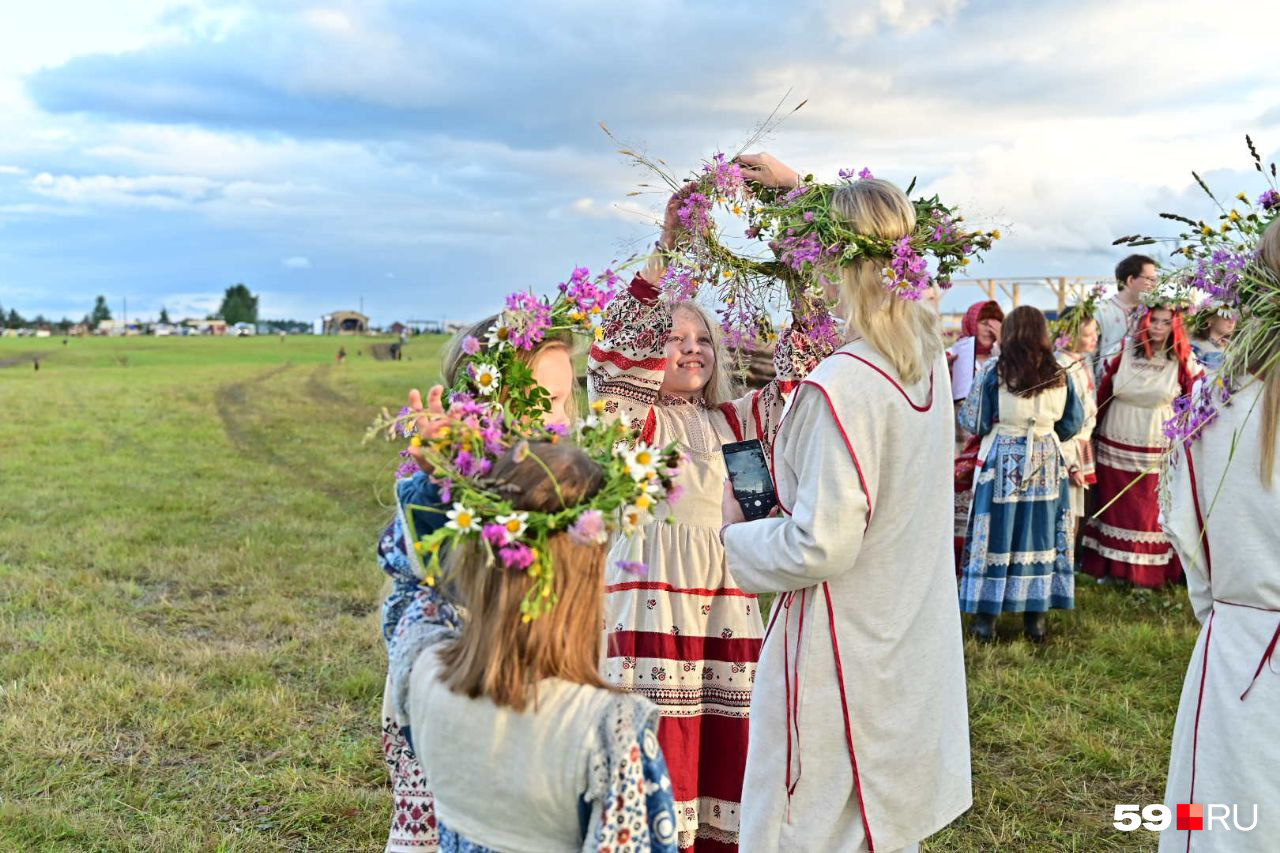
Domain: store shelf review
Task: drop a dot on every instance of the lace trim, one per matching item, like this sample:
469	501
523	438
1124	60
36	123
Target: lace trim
709	833
1129	535
1022	558
1126	556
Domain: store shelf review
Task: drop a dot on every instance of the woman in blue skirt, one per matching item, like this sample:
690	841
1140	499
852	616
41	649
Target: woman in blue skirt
1018	552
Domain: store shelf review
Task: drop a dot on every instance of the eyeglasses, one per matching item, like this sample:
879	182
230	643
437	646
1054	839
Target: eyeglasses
1149	279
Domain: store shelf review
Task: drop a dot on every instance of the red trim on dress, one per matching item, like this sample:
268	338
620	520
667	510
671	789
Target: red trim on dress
844	704
731	415
677	647
624	363
650	428
849	445
666	587
1195	734
928	403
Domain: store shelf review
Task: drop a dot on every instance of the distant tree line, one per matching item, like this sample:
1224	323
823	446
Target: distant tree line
239	305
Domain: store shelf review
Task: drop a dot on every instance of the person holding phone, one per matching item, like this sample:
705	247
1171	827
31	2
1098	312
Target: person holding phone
679	630
859	734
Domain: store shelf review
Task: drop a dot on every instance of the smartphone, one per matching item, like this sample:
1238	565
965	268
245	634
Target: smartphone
750	478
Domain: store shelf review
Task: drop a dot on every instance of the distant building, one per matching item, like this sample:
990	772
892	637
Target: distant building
345	323
399	329
205	327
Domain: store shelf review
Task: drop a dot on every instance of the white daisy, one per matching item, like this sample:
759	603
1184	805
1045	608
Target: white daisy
486	378
499	335
633	518
641	462
515	524
462	519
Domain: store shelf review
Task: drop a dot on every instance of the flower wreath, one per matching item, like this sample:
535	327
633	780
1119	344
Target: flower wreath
1066	329
1221	262
637	476
806	241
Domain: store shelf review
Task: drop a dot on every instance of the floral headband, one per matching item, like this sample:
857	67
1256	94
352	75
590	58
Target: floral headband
1066	329
1221	262
481	430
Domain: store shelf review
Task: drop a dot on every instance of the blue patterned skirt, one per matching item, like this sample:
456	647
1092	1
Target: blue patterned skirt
1017	556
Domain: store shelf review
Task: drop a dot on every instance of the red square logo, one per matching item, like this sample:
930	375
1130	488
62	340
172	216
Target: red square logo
1190	816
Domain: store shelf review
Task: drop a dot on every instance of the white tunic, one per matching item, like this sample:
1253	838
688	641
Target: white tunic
1226	749
1115	323
859	735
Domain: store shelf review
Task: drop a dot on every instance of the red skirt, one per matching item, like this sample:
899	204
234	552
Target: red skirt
1125	540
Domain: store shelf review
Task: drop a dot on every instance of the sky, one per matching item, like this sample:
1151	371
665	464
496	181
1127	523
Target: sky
422	160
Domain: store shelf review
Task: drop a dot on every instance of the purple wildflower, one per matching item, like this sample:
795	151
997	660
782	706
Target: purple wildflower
796	193
495	535
471	345
796	252
517	556
528	318
406	469
907	275
445	485
1269	199
558	429
865	173
694	213
726	177
678	284
587	294
808	216
406	428
589	529
633	568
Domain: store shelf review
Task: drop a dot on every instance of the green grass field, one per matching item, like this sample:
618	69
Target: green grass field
189	647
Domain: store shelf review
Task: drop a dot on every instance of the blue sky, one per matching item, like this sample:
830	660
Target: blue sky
428	158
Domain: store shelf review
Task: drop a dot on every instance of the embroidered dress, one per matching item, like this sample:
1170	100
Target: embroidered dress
860	734
1078	452
578	769
1116	322
411	615
1018	555
1125	540
1226	741
683	634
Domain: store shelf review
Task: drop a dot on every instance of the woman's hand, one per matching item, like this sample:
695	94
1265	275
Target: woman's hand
429	425
1077	477
672	228
730	509
764	168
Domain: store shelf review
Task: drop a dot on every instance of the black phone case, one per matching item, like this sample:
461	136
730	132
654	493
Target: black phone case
754	505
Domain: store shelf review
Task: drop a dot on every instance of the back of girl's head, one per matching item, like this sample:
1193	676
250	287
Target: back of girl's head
452	357
908	334
720	387
499	655
1027	364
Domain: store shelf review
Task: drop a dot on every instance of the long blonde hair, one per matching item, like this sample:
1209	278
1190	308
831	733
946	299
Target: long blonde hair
908	334
1269	255
499	655
451	358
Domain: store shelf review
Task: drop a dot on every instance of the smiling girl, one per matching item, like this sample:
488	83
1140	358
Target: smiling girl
680	631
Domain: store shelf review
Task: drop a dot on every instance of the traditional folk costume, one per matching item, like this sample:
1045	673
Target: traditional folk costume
1078	452
410	616
1222	524
966	359
1018	556
1208	354
1116	322
861	739
684	634
1134	401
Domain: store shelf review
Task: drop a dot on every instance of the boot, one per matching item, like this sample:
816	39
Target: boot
983	627
1033	626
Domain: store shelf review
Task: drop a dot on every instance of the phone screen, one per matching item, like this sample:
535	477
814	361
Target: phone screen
749	475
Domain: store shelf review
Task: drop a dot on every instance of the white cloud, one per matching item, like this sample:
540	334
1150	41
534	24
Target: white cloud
297	262
159	191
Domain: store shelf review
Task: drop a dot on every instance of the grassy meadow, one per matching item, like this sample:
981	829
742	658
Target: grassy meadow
189	647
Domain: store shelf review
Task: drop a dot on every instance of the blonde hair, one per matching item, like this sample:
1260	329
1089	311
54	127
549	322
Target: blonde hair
908	334
720	387
499	655
1269	255
451	358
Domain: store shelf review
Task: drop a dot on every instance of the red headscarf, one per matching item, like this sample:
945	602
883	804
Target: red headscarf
979	311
